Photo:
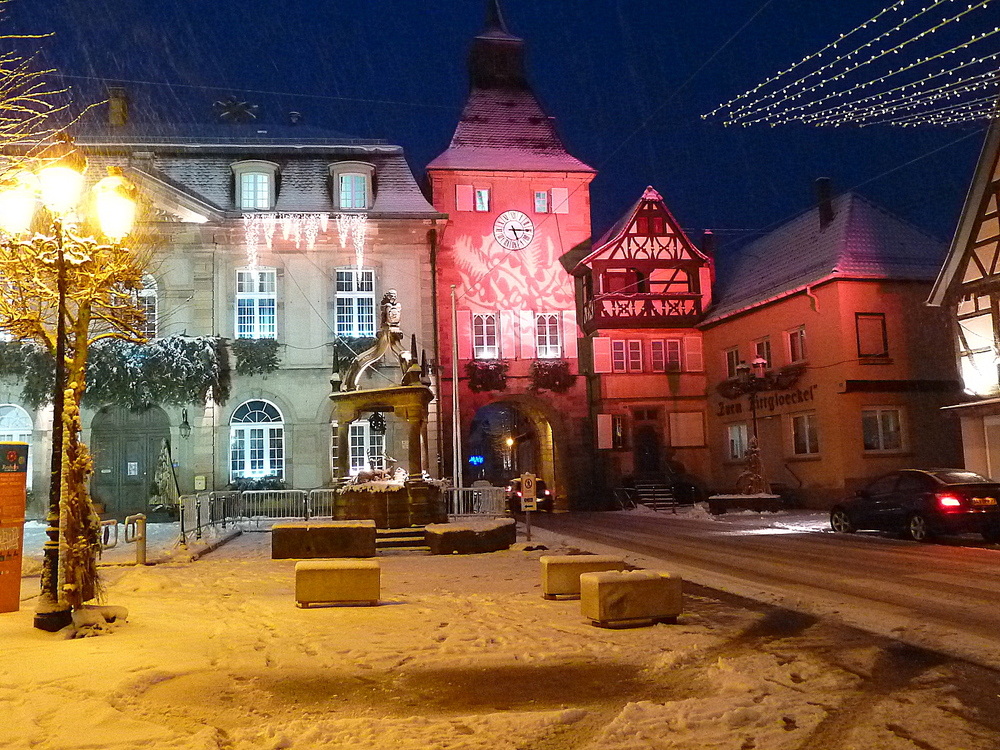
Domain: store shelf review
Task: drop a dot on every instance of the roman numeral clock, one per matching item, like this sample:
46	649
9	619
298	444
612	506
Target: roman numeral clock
513	230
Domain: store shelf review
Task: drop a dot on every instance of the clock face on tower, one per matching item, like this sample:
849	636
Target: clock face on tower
513	230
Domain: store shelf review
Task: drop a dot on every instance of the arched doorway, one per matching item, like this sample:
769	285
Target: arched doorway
126	446
507	440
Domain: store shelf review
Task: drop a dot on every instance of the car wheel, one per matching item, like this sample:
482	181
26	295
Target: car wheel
917	528
841	522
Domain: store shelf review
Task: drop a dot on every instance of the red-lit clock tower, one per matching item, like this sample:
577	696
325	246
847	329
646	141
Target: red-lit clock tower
516	201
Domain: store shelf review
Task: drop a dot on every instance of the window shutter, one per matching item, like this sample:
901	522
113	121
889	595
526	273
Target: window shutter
604	432
508	334
569	341
602	354
693	359
464	334
527	332
687	429
463	197
560	200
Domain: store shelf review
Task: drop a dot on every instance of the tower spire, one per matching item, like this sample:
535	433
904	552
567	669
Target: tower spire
494	18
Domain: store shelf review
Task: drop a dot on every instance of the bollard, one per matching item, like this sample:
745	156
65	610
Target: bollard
109	534
135	531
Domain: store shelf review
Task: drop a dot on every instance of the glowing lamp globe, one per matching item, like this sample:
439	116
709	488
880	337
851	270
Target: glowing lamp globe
17	203
61	186
115	205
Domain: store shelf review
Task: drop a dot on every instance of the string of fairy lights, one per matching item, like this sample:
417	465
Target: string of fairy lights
916	62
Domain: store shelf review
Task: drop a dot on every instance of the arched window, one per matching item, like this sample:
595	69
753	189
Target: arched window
256	185
256	441
353	187
15	427
148	303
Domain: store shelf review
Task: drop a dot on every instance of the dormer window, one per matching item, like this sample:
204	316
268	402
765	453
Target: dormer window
353	188
256	185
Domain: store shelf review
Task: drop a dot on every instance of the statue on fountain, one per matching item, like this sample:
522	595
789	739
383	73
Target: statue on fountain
389	338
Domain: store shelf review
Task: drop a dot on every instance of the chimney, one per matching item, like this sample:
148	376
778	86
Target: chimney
294	118
824	201
708	243
117	107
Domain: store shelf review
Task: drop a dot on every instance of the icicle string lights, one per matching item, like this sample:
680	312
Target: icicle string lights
260	226
945	73
353	227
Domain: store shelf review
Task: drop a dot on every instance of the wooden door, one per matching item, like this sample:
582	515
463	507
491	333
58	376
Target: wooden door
126	446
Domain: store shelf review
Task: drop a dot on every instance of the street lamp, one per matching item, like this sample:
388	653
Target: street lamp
751	379
58	186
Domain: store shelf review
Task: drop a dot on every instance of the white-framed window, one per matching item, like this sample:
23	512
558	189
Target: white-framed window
355	302
353	185
256	303
541	201
15	427
732	361
805	435
147	301
665	355
482	196
635	356
255	184
548	344
485	339
762	350
619	357
882	429
737	440
367	447
256	441
796	344
977	344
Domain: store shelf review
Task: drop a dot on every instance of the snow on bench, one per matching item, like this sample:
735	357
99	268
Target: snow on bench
561	573
630	598
337	582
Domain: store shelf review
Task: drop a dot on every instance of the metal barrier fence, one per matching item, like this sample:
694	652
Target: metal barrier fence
275	504
208	510
321	503
477	501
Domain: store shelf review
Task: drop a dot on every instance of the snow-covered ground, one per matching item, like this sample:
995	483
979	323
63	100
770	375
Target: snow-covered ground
462	653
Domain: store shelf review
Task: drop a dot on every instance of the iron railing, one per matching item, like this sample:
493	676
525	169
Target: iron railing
477	501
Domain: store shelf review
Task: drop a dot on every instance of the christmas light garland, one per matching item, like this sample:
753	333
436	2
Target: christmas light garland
834	87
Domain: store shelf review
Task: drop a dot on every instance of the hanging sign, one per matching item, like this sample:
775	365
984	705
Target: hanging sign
13	476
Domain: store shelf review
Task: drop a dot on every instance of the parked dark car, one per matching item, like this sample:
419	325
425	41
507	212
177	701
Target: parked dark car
923	504
542	494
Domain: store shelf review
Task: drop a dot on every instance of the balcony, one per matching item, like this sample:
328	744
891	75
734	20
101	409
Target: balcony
641	310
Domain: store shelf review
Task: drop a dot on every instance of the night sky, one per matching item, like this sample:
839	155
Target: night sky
626	80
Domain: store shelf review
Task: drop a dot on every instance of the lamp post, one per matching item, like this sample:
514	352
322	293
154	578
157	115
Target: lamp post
58	186
751	379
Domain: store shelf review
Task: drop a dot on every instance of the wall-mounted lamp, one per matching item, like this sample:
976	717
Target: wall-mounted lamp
185	426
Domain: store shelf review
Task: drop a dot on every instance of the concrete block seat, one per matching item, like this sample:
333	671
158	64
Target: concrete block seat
561	573
337	582
630	598
322	539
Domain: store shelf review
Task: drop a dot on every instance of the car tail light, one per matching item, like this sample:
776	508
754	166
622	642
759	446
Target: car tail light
519	494
949	501
546	492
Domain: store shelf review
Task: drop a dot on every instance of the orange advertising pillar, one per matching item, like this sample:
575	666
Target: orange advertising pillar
13	476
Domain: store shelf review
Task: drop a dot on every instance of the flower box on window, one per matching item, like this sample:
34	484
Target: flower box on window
486	375
551	374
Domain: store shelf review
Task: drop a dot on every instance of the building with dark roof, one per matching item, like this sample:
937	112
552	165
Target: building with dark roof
288	234
831	304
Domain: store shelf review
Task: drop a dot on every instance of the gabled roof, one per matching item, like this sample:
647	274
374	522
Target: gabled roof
611	242
862	241
987	170
503	127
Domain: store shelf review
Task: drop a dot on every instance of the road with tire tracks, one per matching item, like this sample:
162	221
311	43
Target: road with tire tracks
943	595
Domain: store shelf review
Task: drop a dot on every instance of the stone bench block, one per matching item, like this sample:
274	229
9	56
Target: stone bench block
471	537
561	573
312	539
630	598
337	582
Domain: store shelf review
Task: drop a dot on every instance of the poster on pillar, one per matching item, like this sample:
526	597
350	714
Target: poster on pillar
13	476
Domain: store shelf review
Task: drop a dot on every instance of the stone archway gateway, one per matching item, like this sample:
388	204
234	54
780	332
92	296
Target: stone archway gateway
126	446
510	437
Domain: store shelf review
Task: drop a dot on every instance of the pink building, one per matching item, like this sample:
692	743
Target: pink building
517	201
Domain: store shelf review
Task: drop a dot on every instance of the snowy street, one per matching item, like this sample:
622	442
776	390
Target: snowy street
463	652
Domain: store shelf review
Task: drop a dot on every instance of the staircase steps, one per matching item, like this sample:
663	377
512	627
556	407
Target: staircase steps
409	539
655	495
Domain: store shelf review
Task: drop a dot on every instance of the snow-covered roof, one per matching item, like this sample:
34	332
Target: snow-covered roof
862	241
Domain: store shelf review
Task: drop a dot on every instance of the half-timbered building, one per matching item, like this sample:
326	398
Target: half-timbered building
968	287
642	288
